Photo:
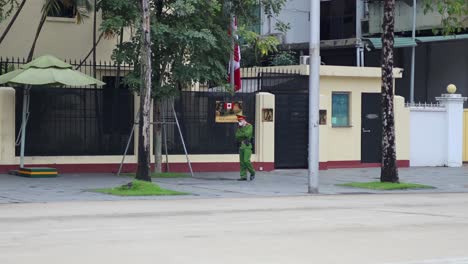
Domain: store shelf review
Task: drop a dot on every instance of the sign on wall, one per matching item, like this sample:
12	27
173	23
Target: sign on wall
226	111
267	115
323	117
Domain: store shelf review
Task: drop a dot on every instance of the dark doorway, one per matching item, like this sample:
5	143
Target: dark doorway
291	124
371	128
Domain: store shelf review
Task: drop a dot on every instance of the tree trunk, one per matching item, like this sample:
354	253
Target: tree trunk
389	170
38	32
157	137
143	172
13	19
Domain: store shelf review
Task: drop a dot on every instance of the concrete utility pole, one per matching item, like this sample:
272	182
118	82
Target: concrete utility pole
413	54
359	45
314	96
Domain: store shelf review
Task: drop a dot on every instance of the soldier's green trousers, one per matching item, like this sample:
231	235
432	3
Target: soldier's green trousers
245	152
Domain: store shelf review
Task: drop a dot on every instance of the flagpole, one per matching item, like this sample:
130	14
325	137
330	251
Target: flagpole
231	62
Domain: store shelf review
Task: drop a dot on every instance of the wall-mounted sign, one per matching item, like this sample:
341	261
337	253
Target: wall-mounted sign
226	111
323	117
267	115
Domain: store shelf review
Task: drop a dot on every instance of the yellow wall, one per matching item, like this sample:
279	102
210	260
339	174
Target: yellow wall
7	125
61	37
344	143
465	135
325	70
264	131
324	137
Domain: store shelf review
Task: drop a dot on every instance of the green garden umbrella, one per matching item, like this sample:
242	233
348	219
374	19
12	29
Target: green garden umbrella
44	70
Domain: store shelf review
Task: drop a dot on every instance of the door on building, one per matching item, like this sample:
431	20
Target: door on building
291	124
371	128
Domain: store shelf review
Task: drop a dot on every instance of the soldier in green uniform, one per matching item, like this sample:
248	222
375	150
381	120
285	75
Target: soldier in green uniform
244	136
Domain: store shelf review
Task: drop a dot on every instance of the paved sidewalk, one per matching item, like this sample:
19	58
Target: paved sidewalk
75	187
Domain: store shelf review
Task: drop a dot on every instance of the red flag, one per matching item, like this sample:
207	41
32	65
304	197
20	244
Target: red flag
237	58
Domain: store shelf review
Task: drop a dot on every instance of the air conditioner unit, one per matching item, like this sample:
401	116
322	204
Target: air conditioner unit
304	60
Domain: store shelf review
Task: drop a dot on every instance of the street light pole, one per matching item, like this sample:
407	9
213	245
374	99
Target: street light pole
314	95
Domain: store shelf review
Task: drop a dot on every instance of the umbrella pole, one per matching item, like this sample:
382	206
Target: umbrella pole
23	124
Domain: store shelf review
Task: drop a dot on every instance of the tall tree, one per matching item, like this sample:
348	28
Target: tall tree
190	44
5	14
143	172
389	170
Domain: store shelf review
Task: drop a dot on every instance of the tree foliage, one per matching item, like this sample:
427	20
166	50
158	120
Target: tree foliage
454	14
7	7
189	40
284	58
117	14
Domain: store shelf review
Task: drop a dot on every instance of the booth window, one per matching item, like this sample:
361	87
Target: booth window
340	109
62	10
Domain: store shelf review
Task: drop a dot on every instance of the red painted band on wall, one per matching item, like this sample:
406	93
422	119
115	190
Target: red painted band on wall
349	164
197	167
129	167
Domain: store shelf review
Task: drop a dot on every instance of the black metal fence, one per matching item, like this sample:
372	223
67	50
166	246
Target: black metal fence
89	121
197	114
283	82
73	122
197	111
80	120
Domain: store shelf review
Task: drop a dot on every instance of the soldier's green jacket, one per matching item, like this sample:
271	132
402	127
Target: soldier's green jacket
245	133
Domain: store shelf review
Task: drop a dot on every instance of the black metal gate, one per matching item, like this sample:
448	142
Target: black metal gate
291	118
291	123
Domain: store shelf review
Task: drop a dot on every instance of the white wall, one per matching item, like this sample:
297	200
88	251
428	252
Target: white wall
295	12
404	17
428	136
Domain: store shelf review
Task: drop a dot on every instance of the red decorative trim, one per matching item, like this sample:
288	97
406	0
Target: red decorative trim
197	167
357	164
175	167
403	163
323	165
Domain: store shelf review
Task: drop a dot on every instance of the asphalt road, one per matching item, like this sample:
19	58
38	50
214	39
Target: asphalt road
396	228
